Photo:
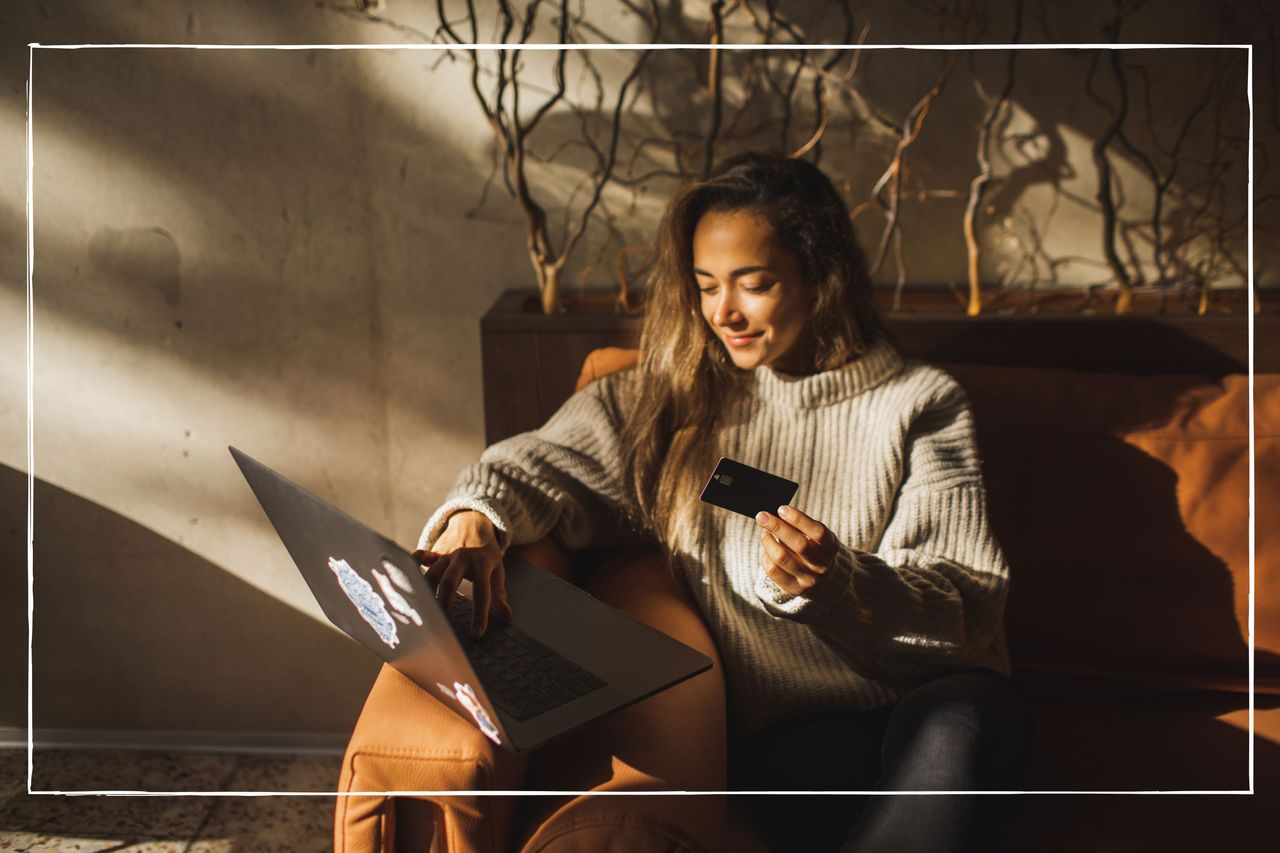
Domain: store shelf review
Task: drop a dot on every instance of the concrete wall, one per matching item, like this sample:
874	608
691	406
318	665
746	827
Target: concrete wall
257	248
277	250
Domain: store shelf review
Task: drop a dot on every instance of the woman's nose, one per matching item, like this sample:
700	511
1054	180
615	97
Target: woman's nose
725	310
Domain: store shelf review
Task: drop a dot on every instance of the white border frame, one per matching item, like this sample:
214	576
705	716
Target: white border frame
34	46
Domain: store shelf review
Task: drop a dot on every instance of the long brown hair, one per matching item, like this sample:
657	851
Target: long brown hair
686	378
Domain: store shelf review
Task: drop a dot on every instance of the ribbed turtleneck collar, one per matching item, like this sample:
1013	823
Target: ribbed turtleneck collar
818	389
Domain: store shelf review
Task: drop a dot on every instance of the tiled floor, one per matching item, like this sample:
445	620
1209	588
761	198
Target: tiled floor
48	822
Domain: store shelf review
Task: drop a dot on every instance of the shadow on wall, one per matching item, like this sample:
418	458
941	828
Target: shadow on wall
268	277
255	275
126	636
286	259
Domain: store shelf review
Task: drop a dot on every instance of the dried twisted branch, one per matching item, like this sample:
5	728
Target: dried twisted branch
512	131
820	95
887	191
605	165
714	94
979	184
1102	163
791	64
501	106
1106	201
1161	183
1206	199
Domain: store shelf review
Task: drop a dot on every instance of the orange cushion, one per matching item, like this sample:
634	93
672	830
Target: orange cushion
603	361
1122	504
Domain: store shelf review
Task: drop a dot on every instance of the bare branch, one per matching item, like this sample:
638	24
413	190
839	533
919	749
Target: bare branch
979	184
1161	184
607	168
501	107
820	96
776	19
624	284
714	96
1103	164
558	74
892	177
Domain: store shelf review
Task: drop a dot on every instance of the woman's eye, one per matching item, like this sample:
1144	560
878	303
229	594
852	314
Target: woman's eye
759	288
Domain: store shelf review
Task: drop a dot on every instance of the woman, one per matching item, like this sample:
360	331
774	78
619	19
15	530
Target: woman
861	626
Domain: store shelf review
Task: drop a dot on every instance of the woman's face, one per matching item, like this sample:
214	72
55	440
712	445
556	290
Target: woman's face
752	292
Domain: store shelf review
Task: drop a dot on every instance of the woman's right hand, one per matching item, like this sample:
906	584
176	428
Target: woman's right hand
468	548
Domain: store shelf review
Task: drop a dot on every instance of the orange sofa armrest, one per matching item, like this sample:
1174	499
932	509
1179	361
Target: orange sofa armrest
404	740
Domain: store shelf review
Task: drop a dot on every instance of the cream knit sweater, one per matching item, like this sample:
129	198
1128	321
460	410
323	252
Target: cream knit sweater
884	452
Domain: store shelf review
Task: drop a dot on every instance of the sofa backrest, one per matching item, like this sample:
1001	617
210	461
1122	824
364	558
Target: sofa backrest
1122	504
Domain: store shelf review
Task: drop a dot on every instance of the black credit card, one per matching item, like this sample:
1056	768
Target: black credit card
740	488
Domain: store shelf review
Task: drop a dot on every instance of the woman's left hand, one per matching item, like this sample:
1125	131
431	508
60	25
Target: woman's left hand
797	549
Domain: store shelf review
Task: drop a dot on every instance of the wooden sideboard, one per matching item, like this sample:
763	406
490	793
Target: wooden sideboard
531	361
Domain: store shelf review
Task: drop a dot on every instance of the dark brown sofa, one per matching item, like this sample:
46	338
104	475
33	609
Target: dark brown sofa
1122	504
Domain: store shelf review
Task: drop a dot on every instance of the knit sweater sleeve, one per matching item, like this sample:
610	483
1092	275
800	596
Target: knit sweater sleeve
932	594
562	479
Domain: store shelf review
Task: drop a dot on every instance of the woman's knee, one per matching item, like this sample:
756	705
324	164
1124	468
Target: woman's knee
643	587
963	731
674	740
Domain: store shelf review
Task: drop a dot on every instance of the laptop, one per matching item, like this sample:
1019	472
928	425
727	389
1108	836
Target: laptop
562	659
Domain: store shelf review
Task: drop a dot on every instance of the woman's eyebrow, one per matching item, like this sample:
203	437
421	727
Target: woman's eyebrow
740	271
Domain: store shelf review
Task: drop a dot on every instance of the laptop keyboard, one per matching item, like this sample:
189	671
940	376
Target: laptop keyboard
523	677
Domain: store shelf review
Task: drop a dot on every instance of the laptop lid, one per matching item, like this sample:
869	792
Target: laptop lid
373	590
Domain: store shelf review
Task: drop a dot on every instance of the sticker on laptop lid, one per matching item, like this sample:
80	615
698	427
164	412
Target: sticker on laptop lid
467	697
394	598
367	601
398	577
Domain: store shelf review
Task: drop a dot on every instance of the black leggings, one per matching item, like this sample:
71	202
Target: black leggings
965	731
